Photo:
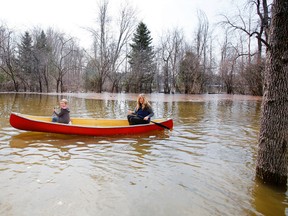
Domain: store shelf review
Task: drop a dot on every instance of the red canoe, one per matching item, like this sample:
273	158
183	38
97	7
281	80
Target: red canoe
86	126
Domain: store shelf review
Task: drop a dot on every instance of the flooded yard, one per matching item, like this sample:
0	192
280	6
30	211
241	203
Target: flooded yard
204	166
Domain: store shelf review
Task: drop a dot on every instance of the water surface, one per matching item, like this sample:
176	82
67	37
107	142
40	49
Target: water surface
205	166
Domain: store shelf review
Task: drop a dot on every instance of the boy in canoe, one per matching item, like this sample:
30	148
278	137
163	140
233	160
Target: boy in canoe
142	113
64	115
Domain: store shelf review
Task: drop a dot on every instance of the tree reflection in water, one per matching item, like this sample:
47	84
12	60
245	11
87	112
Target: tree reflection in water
207	161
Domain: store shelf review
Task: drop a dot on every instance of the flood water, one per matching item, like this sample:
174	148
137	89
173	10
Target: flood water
205	166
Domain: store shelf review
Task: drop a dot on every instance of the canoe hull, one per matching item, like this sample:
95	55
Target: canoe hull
23	122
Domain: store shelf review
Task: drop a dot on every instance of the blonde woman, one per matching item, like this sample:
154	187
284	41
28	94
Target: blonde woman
63	116
142	113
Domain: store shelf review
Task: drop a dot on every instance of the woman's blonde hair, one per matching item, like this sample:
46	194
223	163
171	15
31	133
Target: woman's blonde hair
145	103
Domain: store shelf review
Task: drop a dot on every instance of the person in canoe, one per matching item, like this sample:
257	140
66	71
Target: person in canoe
142	113
64	115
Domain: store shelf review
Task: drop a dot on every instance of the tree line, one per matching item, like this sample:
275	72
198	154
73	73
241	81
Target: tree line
123	58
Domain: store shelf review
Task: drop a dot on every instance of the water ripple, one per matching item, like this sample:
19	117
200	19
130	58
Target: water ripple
204	166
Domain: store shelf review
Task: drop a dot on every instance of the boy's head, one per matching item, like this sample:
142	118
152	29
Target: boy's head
63	103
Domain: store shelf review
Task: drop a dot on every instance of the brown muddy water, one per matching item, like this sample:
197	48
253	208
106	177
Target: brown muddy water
205	166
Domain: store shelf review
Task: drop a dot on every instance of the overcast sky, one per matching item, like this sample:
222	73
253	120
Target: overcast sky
72	16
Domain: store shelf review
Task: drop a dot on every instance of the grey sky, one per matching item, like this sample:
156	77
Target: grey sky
70	16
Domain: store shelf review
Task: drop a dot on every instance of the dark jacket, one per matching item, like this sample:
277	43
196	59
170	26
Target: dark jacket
63	116
148	111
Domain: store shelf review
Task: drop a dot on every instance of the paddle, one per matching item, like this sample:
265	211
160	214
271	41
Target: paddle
156	123
161	125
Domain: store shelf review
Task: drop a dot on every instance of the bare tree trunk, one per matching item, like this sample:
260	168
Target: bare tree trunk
46	78
171	53
102	52
118	55
63	52
167	88
201	46
7	55
272	152
263	17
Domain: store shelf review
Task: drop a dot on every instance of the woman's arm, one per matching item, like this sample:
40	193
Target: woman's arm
130	112
151	113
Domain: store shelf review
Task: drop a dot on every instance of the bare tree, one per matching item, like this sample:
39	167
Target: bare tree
263	13
272	152
62	50
190	74
51	57
252	71
111	37
8	62
201	45
73	80
259	29
228	64
172	52
100	62
126	24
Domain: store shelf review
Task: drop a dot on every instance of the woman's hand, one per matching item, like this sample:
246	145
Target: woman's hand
130	112
146	118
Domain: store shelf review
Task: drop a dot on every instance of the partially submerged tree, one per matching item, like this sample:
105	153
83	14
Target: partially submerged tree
273	140
126	24
190	74
25	61
109	47
142	60
40	54
171	53
252	28
227	67
8	61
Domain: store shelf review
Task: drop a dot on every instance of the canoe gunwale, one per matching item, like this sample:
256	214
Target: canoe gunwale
23	122
88	126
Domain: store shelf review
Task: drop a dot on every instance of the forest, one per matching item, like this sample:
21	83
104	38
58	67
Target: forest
124	58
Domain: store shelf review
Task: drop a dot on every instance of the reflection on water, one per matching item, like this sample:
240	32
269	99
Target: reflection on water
205	166
269	200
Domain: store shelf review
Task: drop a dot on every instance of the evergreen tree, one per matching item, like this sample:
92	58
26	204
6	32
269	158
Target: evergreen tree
141	61
26	61
40	57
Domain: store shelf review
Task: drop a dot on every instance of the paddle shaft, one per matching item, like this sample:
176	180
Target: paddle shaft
161	125
156	123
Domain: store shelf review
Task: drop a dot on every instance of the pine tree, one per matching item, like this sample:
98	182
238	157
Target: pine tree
141	61
41	52
26	61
